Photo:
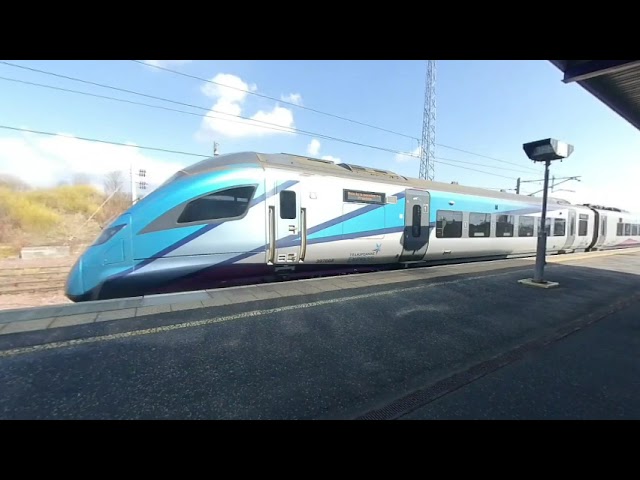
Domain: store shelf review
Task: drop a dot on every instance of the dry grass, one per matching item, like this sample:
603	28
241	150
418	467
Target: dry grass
20	213
82	199
66	215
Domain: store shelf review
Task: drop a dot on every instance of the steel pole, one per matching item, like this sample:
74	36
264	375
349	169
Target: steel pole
542	231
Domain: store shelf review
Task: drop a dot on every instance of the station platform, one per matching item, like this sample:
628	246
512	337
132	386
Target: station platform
414	343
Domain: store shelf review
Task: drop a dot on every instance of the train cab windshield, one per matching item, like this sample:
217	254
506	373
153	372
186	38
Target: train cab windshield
229	203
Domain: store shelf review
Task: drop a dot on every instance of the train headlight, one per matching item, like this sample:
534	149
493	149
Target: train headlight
108	233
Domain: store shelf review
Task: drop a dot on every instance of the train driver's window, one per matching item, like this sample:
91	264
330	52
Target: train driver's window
226	204
287	204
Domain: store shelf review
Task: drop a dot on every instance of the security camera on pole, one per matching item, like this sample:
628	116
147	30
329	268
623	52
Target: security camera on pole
545	151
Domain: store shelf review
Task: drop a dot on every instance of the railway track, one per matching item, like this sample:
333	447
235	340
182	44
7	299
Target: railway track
16	280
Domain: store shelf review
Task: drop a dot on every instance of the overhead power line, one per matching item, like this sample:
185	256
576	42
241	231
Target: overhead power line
477	164
267	125
132	102
106	97
195	77
198	115
475	170
40	132
486	156
157	149
413	137
249	121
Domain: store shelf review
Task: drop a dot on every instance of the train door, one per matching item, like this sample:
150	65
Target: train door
416	225
571	230
286	226
603	231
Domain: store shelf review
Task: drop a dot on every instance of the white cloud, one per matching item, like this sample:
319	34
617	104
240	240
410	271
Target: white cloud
295	98
228	88
618	192
314	147
406	157
230	101
166	63
46	161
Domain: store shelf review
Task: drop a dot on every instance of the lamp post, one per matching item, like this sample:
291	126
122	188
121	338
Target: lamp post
546	151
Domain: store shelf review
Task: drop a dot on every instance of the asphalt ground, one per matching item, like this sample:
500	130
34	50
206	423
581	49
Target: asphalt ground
421	347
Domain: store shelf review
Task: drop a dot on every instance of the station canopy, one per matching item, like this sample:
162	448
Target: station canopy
616	83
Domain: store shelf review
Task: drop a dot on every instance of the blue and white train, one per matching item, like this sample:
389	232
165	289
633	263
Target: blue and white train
251	217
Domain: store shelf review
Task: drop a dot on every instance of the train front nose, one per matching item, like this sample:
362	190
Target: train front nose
108	257
74	288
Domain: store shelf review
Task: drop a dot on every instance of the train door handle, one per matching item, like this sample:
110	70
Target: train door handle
292	228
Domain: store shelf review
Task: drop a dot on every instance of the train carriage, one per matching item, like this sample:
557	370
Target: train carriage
249	217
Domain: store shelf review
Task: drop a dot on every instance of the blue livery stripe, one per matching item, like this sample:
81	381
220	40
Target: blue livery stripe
354	235
352	225
318	230
207	228
198	233
284	243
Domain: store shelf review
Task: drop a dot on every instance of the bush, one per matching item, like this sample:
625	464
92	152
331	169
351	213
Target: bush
82	199
19	212
55	215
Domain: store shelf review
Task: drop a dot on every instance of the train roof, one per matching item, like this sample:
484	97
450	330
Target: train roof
604	208
346	170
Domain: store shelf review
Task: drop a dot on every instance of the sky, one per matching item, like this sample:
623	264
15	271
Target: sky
487	108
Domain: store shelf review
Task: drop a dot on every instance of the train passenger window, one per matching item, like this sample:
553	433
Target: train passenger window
230	203
582	227
559	227
547	225
416	220
288	204
448	224
634	229
619	229
479	225
627	229
504	226
525	228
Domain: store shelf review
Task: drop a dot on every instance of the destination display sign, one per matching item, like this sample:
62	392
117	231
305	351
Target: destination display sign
363	197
